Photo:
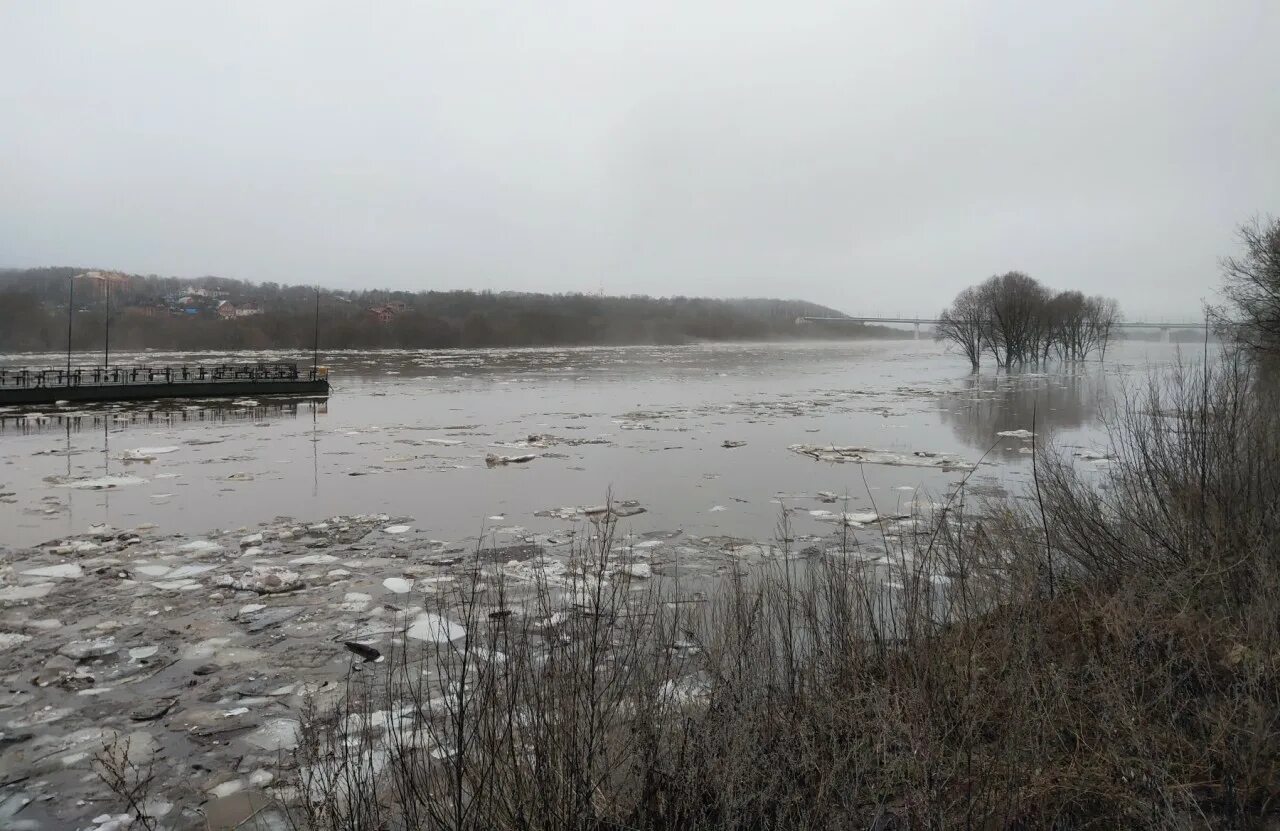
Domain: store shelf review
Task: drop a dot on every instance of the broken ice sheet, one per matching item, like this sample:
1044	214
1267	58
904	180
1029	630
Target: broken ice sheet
97	483
866	455
68	571
146	454
494	460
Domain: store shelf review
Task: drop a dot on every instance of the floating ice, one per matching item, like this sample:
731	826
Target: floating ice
83	650
177	585
8	640
432	627
68	571
280	734
641	571
397	529
200	545
398	585
100	483
865	455
313	560
188	571
146	454
355	602
1017	434
494	460
264	580
33	592
225	789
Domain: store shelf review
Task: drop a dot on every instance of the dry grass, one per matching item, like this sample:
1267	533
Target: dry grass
1108	660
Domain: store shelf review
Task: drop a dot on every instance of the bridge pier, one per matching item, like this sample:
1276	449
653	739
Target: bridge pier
917	330
1164	334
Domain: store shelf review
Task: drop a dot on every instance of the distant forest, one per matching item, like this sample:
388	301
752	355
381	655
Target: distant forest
220	313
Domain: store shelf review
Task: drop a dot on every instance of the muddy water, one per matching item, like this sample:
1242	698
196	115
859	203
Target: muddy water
408	433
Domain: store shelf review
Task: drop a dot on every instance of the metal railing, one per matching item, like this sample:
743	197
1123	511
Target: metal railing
98	376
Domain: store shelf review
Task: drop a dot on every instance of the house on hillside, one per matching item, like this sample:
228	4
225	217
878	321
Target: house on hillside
229	311
387	312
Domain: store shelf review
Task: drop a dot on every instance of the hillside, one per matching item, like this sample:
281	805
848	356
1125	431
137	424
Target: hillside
220	313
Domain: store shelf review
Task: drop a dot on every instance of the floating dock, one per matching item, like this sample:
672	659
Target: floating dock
82	384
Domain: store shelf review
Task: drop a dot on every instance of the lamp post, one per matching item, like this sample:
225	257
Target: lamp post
106	278
106	331
315	341
71	308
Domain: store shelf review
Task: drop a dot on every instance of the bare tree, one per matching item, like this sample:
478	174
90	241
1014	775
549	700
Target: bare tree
1103	316
1252	284
1014	303
1067	309
1019	321
964	324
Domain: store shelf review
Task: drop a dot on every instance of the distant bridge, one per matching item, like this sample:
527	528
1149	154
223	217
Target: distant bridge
1163	327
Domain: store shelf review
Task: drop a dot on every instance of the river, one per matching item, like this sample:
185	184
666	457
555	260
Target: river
408	433
178	579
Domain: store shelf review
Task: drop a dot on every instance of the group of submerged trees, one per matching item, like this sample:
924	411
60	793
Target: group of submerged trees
1017	321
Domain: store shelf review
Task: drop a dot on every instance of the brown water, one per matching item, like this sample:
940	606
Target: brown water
407	434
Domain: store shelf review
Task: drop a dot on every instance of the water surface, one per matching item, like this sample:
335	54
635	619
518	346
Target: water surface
407	433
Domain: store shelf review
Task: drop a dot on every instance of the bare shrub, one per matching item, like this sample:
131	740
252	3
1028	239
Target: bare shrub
129	773
927	678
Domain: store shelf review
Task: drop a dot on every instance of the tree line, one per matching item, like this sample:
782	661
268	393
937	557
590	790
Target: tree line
1016	320
143	314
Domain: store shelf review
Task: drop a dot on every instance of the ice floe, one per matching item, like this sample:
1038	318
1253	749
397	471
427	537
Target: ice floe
866	455
428	626
99	483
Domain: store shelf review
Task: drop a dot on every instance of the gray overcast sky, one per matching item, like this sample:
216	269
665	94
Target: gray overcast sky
875	156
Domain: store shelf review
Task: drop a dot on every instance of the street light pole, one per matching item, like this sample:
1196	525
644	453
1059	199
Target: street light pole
71	306
106	332
315	342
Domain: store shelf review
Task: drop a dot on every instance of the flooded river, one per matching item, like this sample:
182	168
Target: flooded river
179	579
697	435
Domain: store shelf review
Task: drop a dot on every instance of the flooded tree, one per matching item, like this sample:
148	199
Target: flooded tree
1018	320
1104	317
964	324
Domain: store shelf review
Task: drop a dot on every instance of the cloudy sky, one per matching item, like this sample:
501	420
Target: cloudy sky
875	156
